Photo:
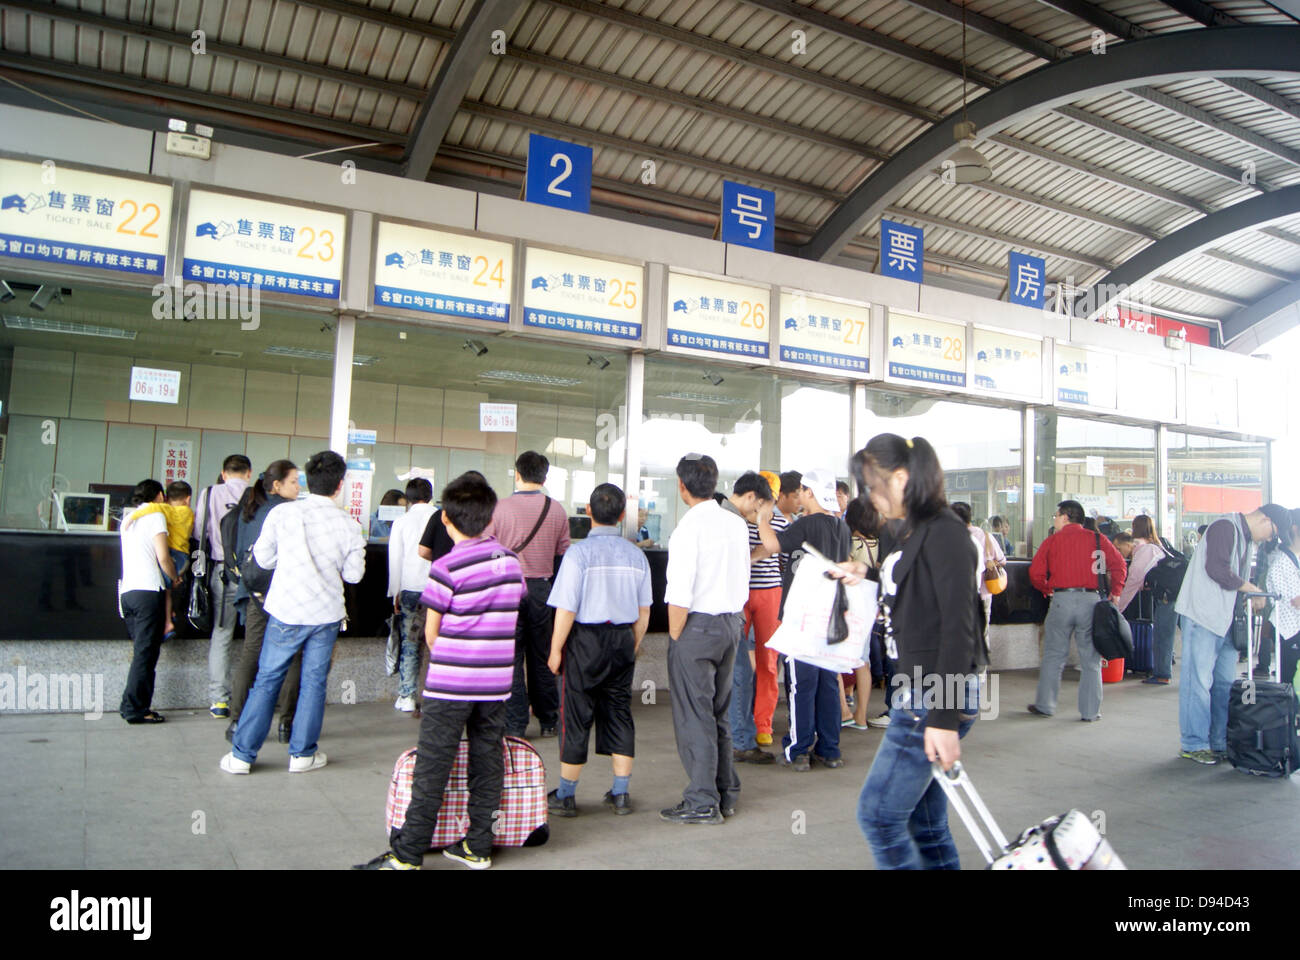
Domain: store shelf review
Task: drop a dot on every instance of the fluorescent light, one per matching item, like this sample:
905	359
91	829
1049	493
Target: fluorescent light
358	360
45	325
697	398
515	376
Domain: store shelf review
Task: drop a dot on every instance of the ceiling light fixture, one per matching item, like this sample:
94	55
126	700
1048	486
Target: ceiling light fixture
45	325
477	347
515	376
968	164
697	398
44	296
358	360
600	363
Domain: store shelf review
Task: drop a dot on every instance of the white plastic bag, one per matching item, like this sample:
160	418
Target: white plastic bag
808	610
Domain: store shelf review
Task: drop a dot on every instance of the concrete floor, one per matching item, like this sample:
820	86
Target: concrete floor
101	794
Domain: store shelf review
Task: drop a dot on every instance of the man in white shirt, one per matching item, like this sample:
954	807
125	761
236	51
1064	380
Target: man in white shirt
147	571
313	546
708	584
408	573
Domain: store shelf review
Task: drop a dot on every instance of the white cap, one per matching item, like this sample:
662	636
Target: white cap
822	484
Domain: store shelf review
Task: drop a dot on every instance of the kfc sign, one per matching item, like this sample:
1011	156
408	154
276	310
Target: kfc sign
1154	325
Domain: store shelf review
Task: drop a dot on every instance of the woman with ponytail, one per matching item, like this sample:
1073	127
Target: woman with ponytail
278	484
934	629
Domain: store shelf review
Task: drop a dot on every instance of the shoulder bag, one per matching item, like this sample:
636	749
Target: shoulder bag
995	574
199	610
1111	635
541	517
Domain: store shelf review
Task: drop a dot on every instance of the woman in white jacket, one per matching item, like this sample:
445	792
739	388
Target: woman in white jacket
1147	552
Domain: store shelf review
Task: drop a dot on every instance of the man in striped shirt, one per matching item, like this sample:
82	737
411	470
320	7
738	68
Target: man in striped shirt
747	712
473	596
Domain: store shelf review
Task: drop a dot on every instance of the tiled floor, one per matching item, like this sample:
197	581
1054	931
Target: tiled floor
99	793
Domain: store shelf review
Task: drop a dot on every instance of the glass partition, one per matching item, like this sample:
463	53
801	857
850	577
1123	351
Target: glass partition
744	419
1210	477
1110	468
978	447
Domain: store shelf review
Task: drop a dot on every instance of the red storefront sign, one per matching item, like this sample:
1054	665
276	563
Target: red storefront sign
1154	324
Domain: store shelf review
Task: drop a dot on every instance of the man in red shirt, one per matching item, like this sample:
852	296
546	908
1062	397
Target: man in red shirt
1065	569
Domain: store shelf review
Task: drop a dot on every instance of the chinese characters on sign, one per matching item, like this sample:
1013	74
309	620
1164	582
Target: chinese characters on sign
1008	364
718	316
1085	376
582	295
1026	279
902	251
357	484
177	461
822	333
445	273
155	386
87	219
748	216
498	418
558	174
280	248
926	351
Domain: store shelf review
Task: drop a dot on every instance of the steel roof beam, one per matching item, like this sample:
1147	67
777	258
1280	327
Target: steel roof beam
1102	19
1020	243
1201	12
1200	291
1247	215
1253	314
1252	51
1220	125
991	28
1278	234
1056	206
1251	265
452	82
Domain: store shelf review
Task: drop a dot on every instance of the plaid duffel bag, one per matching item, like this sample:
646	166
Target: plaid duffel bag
522	822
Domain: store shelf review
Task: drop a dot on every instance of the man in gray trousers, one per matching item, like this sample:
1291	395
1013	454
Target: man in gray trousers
214	503
708	584
1066	568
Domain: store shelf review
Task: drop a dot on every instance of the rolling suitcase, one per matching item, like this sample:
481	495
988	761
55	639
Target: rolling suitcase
1263	736
522	822
1067	842
1143	658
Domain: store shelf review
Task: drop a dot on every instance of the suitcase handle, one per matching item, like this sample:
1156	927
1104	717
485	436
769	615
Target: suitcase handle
953	782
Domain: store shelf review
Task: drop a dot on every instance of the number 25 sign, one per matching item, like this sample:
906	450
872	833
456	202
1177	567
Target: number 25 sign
559	174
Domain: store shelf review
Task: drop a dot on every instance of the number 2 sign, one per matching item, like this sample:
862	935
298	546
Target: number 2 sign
559	174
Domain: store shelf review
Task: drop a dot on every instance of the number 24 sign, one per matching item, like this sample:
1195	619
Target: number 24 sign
559	174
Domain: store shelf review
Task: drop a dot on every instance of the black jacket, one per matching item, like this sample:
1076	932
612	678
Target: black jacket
936	616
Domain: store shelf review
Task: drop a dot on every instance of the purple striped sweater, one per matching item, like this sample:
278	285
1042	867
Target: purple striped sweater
477	588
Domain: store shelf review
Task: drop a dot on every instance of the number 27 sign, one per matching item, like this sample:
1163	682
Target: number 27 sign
559	174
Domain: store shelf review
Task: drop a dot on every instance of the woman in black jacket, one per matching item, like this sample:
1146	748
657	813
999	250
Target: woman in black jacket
934	629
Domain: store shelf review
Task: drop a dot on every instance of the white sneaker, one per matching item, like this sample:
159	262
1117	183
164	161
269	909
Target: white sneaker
405	704
306	764
232	764
879	722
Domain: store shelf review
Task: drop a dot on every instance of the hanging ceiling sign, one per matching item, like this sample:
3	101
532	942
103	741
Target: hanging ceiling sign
926	351
576	294
748	216
57	214
558	174
902	251
452	274
275	246
1026	279
718	316
826	334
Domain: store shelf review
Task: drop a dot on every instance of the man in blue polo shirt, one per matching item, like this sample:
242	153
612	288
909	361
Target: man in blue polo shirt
602	601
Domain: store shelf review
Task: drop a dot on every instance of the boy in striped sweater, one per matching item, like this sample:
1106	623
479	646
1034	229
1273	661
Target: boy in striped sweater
473	598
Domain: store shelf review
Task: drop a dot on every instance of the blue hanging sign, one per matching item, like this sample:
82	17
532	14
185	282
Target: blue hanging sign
902	251
1026	279
559	174
748	216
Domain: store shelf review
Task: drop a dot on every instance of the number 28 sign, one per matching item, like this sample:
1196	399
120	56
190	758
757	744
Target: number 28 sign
559	174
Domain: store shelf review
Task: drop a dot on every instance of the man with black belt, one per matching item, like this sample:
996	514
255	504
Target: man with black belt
708	584
1066	568
602	602
536	529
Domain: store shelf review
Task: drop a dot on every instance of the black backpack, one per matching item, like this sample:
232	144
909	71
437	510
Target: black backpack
229	527
1165	579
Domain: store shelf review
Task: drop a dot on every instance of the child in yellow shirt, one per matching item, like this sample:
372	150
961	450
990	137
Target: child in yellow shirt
180	525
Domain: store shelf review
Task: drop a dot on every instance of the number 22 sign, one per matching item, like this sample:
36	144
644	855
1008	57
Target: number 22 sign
559	174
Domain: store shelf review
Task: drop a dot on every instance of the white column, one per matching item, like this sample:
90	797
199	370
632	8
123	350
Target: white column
632	440
341	403
1027	456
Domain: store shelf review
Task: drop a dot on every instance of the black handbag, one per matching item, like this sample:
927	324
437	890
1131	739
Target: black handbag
1112	637
199	610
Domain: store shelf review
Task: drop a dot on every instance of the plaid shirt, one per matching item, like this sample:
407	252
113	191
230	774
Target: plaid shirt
313	547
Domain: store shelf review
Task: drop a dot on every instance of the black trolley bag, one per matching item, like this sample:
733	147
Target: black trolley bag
1067	842
1263	737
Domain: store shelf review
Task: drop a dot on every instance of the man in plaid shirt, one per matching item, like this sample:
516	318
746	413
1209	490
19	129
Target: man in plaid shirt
473	596
313	546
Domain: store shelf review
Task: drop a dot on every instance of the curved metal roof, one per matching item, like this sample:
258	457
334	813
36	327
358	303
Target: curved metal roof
809	99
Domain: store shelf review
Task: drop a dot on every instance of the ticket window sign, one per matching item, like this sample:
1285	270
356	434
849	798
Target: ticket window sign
718	316
922	350
1007	364
450	274
149	385
1026	281
902	251
748	216
559	174
575	294
827	334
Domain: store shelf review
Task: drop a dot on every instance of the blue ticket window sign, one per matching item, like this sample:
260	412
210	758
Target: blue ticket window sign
748	216
902	251
1026	279
559	174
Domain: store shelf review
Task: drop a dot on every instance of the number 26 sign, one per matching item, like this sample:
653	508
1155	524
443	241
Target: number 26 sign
559	174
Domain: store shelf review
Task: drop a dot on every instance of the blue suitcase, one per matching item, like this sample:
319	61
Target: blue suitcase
1143	657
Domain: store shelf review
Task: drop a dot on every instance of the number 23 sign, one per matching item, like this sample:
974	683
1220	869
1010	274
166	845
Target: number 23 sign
559	174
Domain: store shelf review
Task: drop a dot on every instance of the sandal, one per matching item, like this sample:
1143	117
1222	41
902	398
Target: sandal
149	717
1163	681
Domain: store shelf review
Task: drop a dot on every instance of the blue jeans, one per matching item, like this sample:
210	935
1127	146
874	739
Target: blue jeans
280	643
411	623
902	810
744	732
1162	640
1208	669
